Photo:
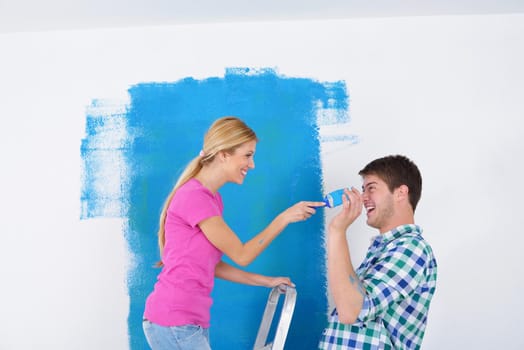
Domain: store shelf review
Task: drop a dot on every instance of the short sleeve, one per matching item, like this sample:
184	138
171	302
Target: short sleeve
196	205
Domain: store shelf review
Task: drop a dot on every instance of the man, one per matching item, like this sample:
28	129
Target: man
384	303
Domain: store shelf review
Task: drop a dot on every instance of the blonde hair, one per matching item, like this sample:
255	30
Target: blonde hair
225	134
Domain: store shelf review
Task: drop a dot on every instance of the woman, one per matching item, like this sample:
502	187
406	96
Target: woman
193	236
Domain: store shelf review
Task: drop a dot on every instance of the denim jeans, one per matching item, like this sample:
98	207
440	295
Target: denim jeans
188	337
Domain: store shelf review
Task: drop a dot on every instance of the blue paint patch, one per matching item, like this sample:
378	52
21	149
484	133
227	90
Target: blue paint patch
351	139
105	164
161	130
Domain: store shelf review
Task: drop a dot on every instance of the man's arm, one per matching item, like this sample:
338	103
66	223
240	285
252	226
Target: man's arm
344	284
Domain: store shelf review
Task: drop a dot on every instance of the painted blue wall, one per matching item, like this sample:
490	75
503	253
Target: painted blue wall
165	123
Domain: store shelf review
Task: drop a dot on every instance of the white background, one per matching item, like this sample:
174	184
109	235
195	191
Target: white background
446	91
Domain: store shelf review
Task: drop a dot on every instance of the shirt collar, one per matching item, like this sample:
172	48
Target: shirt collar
395	233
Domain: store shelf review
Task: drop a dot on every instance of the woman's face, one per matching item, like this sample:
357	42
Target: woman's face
238	163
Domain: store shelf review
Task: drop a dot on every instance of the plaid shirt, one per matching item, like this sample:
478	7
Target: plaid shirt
399	276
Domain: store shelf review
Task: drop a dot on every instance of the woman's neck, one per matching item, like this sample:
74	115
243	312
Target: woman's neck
210	178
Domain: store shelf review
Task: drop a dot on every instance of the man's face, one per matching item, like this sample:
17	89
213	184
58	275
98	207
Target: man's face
378	202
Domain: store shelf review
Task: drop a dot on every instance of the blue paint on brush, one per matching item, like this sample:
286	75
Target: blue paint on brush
334	198
161	130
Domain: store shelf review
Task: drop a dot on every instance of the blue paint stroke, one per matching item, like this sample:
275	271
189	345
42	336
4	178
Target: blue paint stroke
103	151
352	139
164	124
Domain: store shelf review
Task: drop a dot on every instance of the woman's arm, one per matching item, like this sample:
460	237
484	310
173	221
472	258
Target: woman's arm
222	237
233	274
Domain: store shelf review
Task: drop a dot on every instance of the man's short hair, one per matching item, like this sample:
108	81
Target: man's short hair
397	170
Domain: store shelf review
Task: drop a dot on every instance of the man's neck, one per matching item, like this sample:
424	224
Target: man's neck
410	220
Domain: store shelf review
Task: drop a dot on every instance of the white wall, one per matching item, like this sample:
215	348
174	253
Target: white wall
446	91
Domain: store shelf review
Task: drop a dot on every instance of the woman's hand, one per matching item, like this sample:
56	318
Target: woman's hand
301	211
275	281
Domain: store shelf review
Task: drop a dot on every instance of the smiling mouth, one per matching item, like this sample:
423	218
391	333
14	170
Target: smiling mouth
369	209
244	172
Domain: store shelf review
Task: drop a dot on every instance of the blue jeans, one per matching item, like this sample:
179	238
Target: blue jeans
188	337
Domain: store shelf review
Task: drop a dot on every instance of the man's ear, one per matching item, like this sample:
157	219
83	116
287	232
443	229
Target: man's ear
402	192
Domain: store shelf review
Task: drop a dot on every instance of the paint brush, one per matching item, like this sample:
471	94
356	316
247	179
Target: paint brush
334	199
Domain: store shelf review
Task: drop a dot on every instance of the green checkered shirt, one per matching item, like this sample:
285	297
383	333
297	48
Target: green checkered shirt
399	276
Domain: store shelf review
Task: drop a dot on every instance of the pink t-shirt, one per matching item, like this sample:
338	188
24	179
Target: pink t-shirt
182	293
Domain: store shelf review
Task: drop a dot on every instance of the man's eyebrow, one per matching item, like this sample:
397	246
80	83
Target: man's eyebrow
369	184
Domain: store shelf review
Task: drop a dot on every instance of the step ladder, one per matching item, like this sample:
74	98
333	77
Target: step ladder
285	318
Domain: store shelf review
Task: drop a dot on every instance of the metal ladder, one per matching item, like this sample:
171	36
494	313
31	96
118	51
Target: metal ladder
285	318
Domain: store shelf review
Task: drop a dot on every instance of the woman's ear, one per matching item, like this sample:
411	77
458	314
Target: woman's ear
222	155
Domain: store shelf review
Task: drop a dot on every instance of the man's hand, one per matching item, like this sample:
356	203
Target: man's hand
351	209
